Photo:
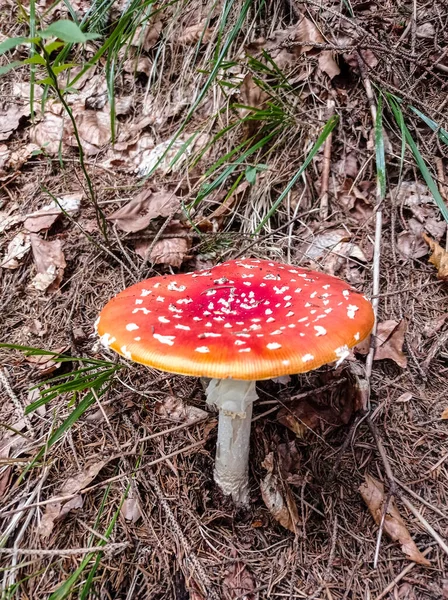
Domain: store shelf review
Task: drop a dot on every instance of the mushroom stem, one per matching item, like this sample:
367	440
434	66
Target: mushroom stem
234	399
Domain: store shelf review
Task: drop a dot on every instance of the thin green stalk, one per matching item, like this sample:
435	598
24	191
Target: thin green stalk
98	212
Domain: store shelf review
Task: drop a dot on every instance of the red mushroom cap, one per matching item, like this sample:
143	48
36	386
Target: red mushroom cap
245	319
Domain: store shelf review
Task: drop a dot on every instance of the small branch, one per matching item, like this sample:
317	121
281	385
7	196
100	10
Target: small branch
400	576
107	548
326	164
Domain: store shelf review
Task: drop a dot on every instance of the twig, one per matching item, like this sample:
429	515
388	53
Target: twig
378	233
400	576
327	572
443	189
326	163
190	555
432	532
109	548
16	401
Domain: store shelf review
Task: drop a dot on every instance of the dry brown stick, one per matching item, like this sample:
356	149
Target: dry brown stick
400	576
326	164
17	404
432	532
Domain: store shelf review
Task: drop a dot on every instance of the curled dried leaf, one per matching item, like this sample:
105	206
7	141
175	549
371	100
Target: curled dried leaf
389	342
438	258
50	263
170	251
139	212
372	492
18	247
278	497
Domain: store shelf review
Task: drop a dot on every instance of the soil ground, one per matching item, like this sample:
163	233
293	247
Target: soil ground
135	470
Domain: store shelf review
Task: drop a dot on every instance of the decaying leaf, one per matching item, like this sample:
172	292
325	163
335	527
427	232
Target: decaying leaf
238	583
251	95
444	414
372	492
10	117
130	508
73	485
12	160
47	215
174	409
410	243
438	258
278	496
45	363
390	340
332	249
93	128
147	35
139	212
18	247
49	132
50	263
287	45
199	32
334	407
170	251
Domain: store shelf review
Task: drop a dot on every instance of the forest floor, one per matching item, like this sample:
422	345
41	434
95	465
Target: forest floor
106	480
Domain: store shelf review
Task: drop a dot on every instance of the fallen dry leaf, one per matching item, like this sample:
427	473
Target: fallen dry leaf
73	485
49	132
389	342
18	247
147	35
170	251
174	409
44	218
410	243
278	497
199	32
251	95
93	128
238	583
444	414
438	258
287	45
49	261
130	508
10	117
45	363
372	492
12	160
139	212
138	64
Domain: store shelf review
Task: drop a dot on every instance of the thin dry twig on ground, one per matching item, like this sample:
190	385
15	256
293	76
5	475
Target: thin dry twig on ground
326	164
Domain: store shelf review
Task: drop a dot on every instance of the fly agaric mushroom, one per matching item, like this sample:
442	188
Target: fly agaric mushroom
235	323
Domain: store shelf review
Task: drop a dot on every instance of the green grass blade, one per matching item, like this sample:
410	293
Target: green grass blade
419	158
379	149
441	132
329	126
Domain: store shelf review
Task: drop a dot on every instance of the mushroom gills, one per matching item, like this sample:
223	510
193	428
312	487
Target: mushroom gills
234	399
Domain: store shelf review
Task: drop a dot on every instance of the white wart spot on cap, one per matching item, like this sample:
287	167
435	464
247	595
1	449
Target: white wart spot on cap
184	301
95	325
145	292
131	327
202	349
244	350
164	339
357	336
285	362
184	327
125	352
320	330
139	301
210	334
137	339
351	310
144	310
160	299
346	294
307	357
163	319
341	354
173	287
273	346
107	340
